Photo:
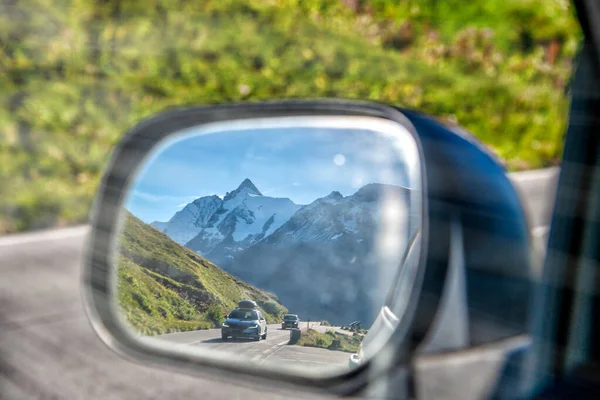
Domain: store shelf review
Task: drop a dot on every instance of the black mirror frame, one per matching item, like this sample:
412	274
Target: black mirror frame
128	156
444	198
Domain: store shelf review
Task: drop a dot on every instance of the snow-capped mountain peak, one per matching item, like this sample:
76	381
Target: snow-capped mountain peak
246	187
328	246
334	196
185	224
284	247
211	225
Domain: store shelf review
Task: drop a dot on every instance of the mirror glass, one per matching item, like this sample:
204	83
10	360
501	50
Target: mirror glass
269	241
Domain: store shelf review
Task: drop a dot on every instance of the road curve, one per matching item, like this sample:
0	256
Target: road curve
48	349
274	348
250	349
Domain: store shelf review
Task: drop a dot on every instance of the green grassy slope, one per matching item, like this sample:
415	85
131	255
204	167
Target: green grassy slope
164	287
76	74
348	343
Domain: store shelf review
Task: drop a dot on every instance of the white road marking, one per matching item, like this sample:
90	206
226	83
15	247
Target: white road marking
44	236
275	347
195	342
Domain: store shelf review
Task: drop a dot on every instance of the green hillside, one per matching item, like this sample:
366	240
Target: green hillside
76	74
164	287
347	343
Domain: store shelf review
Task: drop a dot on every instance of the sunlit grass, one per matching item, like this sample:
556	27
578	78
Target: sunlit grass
164	287
347	343
75	75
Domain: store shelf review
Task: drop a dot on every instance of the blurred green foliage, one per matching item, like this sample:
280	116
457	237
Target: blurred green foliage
76	74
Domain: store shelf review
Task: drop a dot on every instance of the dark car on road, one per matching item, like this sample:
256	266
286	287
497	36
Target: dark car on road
290	321
244	323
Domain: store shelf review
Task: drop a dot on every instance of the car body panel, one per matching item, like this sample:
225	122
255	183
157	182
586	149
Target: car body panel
290	321
254	328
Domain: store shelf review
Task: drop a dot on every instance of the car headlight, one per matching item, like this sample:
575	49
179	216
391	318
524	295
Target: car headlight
225	325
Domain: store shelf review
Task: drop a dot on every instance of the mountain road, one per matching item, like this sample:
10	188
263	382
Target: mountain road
274	348
48	349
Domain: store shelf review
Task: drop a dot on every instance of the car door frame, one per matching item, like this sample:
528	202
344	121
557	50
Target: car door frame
566	352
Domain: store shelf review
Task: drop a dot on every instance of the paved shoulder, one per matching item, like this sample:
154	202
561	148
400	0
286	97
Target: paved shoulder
48	349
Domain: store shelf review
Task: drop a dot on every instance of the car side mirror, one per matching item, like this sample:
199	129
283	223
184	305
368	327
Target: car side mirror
353	211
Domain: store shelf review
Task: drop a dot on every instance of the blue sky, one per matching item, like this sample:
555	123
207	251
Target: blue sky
302	164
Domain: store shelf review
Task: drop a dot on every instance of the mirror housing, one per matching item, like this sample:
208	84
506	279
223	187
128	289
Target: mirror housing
475	241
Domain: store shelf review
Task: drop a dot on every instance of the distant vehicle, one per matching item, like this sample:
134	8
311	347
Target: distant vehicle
244	323
290	321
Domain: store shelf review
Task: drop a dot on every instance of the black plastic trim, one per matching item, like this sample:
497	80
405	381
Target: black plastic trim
125	160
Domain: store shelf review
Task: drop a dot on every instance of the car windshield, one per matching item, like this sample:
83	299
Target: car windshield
290	317
244	314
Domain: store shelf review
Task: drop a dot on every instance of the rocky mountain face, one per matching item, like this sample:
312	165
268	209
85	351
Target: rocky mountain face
219	228
323	260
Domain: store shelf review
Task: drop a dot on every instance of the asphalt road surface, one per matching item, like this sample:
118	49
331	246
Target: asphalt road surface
273	349
48	349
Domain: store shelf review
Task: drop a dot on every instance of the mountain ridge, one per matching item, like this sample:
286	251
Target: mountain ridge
324	262
164	287
242	217
328	245
246	184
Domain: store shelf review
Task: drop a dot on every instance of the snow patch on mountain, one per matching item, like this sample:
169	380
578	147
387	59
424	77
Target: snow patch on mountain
330	246
245	187
267	214
186	224
228	225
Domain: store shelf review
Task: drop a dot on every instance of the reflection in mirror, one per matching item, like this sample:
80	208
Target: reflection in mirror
274	241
